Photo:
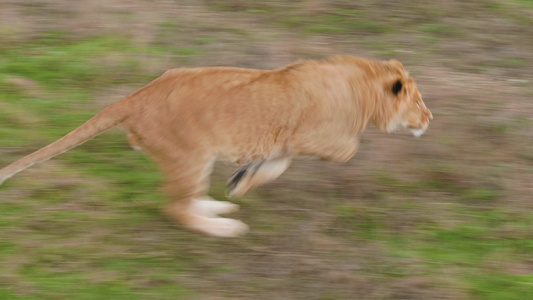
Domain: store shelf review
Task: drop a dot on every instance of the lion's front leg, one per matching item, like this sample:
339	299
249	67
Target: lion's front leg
255	174
340	150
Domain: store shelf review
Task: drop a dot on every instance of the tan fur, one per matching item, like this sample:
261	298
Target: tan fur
187	118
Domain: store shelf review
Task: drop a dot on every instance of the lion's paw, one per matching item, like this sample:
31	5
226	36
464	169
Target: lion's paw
222	227
208	207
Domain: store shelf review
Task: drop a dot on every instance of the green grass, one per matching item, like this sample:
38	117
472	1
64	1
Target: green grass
526	2
75	284
339	22
438	29
76	60
501	286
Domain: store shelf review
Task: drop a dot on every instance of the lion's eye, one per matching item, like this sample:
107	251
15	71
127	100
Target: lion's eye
417	104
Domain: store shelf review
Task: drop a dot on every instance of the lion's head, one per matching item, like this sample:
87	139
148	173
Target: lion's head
403	107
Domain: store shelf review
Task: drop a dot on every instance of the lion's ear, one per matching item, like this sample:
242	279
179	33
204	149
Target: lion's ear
396	63
397	86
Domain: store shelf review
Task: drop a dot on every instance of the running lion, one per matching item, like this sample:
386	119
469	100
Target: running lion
260	119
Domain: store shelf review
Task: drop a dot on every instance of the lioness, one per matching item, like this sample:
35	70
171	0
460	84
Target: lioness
260	119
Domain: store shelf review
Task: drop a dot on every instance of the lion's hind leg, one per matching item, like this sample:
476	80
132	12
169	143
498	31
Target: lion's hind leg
187	185
208	207
134	142
255	174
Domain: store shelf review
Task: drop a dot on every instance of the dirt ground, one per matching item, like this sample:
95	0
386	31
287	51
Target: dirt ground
407	218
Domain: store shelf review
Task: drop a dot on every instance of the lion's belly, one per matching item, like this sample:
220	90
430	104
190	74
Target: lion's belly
244	151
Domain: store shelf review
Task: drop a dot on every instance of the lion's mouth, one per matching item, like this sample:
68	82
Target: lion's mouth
417	132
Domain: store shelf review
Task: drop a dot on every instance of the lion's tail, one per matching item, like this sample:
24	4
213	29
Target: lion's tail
107	118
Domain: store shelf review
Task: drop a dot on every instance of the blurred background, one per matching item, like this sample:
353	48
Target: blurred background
445	216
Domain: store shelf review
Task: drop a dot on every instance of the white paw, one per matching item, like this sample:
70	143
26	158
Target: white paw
222	227
208	207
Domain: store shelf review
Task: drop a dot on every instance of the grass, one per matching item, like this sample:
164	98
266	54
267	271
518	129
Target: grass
422	221
336	22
